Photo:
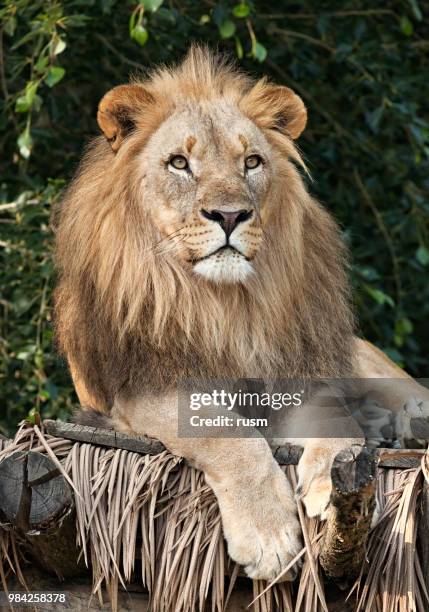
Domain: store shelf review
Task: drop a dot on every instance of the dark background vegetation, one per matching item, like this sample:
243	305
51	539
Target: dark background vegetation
362	69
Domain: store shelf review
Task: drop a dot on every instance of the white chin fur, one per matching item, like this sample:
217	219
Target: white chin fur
224	268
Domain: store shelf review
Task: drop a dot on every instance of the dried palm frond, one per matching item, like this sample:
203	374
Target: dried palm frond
392	580
157	509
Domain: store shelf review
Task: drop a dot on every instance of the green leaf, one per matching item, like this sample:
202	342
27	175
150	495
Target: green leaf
422	255
22	105
31	90
140	35
260	52
25	102
403	327
25	143
416	9
41	63
406	26
241	10
204	19
10	26
151	5
26	352
33	417
54	75
227	28
58	45
132	22
379	296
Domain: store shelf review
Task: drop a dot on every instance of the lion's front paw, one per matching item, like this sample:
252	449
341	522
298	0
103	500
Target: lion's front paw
261	527
412	423
265	551
314	480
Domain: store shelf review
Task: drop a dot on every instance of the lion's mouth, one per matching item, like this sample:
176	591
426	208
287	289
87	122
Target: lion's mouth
224	248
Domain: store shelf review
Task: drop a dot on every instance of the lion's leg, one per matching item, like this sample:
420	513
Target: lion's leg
255	499
323	426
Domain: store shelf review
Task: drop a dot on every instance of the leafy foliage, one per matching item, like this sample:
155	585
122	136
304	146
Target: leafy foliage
362	72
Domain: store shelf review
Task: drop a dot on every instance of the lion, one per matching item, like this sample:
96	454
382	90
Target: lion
188	247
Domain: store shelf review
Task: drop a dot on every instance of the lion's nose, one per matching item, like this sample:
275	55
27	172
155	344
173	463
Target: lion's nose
227	219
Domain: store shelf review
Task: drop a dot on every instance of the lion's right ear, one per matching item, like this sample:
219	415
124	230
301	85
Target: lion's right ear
118	110
275	107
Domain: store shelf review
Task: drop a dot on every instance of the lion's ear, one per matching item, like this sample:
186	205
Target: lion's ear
275	107
118	109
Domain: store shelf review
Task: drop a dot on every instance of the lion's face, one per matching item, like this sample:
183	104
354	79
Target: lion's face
208	147
207	175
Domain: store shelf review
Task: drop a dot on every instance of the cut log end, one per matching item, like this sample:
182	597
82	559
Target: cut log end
37	502
352	506
33	494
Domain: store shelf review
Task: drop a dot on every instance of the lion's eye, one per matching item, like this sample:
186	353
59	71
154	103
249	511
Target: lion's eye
252	162
179	162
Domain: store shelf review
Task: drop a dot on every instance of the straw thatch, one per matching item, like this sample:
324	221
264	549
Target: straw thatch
157	508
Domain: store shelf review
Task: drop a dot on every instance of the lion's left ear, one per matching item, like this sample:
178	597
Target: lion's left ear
275	107
118	110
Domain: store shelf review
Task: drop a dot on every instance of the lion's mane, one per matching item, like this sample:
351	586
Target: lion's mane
130	318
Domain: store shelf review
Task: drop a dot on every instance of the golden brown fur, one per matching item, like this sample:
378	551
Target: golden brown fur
131	316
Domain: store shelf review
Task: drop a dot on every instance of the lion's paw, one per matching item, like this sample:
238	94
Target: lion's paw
314	480
377	422
265	552
412	423
261	527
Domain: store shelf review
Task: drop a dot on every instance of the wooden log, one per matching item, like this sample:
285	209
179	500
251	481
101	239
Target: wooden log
352	505
287	454
103	437
400	458
37	502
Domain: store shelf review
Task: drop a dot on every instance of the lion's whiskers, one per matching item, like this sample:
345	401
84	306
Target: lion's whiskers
166	245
